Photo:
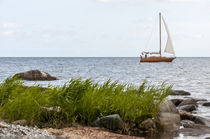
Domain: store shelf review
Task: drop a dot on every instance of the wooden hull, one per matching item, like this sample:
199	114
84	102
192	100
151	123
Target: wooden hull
157	59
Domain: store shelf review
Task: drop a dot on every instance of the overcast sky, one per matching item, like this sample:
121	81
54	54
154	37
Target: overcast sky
101	28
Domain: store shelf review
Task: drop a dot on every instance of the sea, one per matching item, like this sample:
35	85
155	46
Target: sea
184	73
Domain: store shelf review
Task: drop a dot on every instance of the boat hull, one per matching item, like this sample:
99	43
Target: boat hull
157	59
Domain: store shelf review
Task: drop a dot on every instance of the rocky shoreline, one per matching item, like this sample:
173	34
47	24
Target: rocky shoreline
175	117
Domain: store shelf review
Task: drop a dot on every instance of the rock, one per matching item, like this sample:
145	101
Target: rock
189	101
185	115
35	75
112	122
20	122
179	92
168	118
2	125
201	120
206	104
207	138
147	124
188	108
197	119
176	102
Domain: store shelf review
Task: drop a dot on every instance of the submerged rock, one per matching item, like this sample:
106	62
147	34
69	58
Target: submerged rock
179	92
35	75
112	122
168	118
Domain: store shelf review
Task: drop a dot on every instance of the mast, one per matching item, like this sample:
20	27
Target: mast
160	31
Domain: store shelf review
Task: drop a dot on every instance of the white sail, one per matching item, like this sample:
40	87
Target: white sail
169	46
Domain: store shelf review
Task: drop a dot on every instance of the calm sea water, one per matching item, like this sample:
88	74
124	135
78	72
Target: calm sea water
190	74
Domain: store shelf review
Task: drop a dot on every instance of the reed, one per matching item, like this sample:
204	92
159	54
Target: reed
81	101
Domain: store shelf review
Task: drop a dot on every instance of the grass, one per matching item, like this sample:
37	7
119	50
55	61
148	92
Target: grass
81	101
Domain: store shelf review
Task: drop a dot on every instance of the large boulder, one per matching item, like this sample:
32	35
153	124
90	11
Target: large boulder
168	118
179	92
35	75
112	122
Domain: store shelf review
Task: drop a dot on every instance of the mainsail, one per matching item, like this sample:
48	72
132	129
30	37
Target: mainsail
169	46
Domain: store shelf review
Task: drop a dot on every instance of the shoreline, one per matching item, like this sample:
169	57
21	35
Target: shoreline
110	105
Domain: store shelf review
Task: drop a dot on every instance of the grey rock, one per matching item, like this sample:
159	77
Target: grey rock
35	75
188	108
168	118
176	101
112	122
206	104
2	125
179	92
189	101
167	106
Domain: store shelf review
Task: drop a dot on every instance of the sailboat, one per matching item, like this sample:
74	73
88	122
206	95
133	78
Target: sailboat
149	56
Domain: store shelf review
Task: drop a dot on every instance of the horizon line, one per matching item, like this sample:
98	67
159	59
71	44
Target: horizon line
92	57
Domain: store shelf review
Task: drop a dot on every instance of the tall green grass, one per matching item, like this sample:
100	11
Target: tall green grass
81	101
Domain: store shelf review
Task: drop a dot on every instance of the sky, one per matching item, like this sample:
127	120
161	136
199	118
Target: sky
101	28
